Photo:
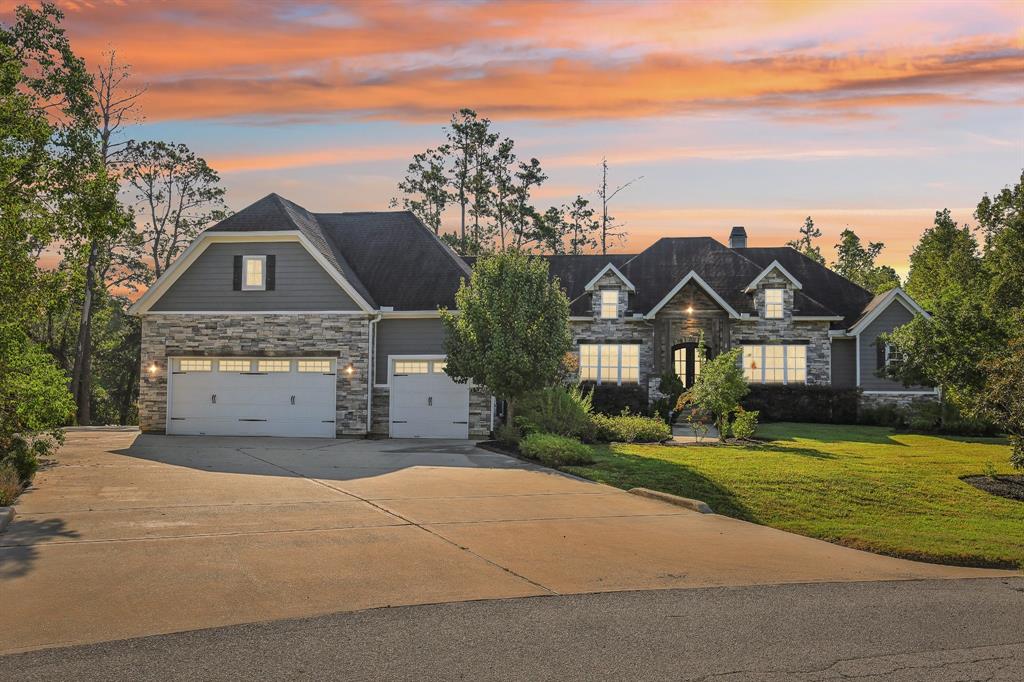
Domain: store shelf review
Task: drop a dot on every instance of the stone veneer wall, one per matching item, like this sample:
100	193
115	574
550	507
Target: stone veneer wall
342	336
479	412
898	398
759	329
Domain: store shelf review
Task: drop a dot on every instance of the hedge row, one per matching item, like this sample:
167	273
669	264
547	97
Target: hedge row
798	403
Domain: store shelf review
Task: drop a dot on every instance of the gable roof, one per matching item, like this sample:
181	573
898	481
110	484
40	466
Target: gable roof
389	257
592	284
777	266
879	303
844	298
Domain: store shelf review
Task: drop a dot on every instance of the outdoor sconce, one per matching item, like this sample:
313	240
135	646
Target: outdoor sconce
153	368
689	310
349	369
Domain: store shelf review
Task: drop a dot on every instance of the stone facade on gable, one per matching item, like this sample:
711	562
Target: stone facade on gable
344	337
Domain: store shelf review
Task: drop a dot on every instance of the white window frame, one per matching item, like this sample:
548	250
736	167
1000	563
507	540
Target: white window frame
771	306
262	286
273	365
407	366
314	366
785	362
222	368
600	366
893	356
194	365
607	305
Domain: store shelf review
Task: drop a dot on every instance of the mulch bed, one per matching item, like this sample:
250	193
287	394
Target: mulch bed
1010	487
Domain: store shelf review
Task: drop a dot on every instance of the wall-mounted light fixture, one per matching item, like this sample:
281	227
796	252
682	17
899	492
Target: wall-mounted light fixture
153	368
689	310
349	369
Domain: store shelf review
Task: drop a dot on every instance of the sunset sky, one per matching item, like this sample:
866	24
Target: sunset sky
758	114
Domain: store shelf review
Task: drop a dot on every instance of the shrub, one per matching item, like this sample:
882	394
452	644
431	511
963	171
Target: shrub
554	450
23	454
744	425
10	485
558	410
720	387
671	387
883	415
508	435
802	403
925	416
613	399
631	428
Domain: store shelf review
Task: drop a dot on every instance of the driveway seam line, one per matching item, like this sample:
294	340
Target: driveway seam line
410	522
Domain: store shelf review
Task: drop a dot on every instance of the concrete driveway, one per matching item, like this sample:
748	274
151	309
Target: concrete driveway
130	535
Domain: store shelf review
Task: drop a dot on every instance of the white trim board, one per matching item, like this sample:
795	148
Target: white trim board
693	276
203	242
774	265
593	282
896	294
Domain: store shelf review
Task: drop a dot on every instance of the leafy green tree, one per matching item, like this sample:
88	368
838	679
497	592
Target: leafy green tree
805	244
177	194
719	388
1002	399
856	262
994	214
944	262
511	328
582	226
425	187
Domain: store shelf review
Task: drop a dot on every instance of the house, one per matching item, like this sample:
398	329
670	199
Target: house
278	321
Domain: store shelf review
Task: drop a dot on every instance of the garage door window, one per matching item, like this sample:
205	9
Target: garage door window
194	365
274	366
235	365
412	367
438	366
322	366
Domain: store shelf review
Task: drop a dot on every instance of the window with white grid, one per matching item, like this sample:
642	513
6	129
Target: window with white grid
193	365
609	303
274	366
893	355
254	272
234	365
775	364
610	363
412	367
773	303
437	366
321	366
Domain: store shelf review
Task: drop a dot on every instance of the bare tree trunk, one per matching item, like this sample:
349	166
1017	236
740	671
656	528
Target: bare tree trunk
80	383
604	207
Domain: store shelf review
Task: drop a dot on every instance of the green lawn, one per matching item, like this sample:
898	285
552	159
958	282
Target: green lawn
864	487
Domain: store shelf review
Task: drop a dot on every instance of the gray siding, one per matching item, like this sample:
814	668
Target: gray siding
844	363
421	336
300	282
893	316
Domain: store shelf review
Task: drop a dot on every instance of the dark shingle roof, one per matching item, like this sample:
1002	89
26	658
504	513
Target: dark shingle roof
393	259
390	257
842	296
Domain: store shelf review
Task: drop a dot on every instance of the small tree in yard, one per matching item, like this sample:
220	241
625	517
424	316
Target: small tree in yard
511	330
719	388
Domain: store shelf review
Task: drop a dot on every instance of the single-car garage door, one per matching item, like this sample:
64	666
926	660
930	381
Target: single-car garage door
252	397
425	402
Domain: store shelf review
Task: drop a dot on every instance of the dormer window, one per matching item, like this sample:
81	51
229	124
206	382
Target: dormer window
773	303
609	303
254	273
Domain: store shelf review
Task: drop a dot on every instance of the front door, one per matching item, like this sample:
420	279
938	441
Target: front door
686	363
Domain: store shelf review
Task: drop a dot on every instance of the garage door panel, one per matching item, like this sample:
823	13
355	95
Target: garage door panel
429	405
249	403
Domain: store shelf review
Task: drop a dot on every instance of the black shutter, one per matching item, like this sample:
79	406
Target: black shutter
271	272
880	353
238	274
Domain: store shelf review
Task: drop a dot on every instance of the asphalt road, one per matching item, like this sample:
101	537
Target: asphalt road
912	630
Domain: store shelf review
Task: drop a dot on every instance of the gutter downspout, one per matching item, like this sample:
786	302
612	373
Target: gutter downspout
370	371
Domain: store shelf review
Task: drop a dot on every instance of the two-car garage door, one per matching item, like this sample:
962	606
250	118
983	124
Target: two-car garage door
252	397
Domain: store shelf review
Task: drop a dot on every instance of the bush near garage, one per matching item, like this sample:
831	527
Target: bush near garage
631	428
553	450
565	411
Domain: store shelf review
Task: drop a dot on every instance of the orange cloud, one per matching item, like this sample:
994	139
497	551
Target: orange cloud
415	61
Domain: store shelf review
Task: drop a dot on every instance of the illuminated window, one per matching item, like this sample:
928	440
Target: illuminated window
234	365
609	303
610	363
321	366
775	364
437	367
254	273
412	367
195	365
274	366
773	302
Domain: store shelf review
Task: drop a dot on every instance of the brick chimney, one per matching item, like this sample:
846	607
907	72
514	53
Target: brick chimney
738	238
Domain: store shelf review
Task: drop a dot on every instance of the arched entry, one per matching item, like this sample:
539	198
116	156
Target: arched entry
686	362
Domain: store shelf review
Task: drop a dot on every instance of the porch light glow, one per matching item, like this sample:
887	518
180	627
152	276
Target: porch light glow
349	369
153	368
689	310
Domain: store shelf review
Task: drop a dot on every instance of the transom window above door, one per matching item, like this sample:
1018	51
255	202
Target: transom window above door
609	303
254	273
